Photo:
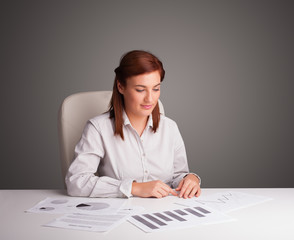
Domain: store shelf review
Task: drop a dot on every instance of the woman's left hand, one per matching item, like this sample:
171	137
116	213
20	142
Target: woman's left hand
189	187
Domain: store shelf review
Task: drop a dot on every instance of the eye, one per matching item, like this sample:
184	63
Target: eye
156	89
139	90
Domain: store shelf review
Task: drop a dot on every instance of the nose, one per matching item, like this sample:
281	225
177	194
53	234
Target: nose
148	97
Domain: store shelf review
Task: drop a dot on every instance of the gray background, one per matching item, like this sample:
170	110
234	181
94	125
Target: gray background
229	82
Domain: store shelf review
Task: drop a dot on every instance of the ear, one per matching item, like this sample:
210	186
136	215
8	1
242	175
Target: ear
120	88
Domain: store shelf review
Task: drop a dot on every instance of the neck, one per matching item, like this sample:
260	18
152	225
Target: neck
138	123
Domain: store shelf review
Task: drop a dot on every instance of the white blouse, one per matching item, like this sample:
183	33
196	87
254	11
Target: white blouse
106	166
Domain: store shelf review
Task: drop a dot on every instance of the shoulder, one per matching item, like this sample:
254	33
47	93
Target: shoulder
100	118
169	131
101	121
167	121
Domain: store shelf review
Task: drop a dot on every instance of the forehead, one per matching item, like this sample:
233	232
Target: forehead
146	79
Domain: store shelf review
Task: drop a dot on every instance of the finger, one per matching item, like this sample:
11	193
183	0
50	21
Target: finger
193	192
168	190
173	192
198	192
188	191
180	185
186	183
163	192
158	192
164	189
157	195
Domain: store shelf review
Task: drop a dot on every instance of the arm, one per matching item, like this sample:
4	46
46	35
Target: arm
187	183
81	179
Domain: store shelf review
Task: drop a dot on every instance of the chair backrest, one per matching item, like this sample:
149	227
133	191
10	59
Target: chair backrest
73	115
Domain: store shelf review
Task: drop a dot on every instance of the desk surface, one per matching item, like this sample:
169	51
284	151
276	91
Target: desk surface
270	220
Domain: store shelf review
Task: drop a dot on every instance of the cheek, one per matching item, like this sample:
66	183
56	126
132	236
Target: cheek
133	99
157	96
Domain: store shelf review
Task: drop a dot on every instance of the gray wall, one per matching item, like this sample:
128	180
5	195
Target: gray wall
229	82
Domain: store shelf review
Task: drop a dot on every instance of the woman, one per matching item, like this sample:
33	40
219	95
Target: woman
132	150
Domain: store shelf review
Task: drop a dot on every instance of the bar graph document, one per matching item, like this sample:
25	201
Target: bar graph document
178	218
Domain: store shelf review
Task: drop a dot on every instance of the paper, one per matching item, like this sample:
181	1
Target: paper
103	214
94	223
178	218
79	205
224	201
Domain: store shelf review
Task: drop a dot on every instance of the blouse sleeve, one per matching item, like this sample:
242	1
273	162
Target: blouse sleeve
81	179
181	168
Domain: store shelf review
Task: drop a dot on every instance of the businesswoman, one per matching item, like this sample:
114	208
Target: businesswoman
132	150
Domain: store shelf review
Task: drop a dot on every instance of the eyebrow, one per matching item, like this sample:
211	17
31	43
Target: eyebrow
145	86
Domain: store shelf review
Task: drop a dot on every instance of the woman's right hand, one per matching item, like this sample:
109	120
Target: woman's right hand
156	189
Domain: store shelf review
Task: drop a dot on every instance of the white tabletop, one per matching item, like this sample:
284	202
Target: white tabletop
270	220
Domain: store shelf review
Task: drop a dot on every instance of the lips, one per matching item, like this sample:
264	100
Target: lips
146	106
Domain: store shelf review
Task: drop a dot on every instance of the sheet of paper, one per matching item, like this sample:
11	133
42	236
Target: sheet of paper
79	205
224	201
95	223
178	218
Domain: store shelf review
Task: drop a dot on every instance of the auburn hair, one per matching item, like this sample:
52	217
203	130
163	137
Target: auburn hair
133	63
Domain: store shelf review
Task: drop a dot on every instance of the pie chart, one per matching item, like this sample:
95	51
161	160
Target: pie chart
92	206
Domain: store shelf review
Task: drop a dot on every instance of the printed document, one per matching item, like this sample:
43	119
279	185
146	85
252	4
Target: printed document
225	201
94	223
79	205
178	218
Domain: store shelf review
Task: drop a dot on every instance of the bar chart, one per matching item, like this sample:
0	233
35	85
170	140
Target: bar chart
178	218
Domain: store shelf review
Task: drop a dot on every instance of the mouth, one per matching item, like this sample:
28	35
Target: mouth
147	107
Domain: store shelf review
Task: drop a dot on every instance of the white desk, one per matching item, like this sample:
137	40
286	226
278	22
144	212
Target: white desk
270	220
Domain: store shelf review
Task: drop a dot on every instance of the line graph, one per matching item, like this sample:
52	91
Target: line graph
224	198
225	201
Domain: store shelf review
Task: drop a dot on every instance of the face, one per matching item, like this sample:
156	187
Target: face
141	94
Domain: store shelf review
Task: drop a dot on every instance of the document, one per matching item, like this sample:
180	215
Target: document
103	214
178	218
94	223
224	201
92	206
90	214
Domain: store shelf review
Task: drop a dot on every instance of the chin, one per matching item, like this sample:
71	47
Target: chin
146	113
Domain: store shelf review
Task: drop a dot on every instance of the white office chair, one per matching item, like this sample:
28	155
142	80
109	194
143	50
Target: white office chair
73	115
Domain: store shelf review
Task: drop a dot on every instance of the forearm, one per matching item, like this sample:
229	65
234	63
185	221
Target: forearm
89	185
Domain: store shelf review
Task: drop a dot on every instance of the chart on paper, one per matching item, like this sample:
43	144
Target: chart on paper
177	218
224	201
78	205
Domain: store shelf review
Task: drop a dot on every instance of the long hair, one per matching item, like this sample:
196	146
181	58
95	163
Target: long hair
133	63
